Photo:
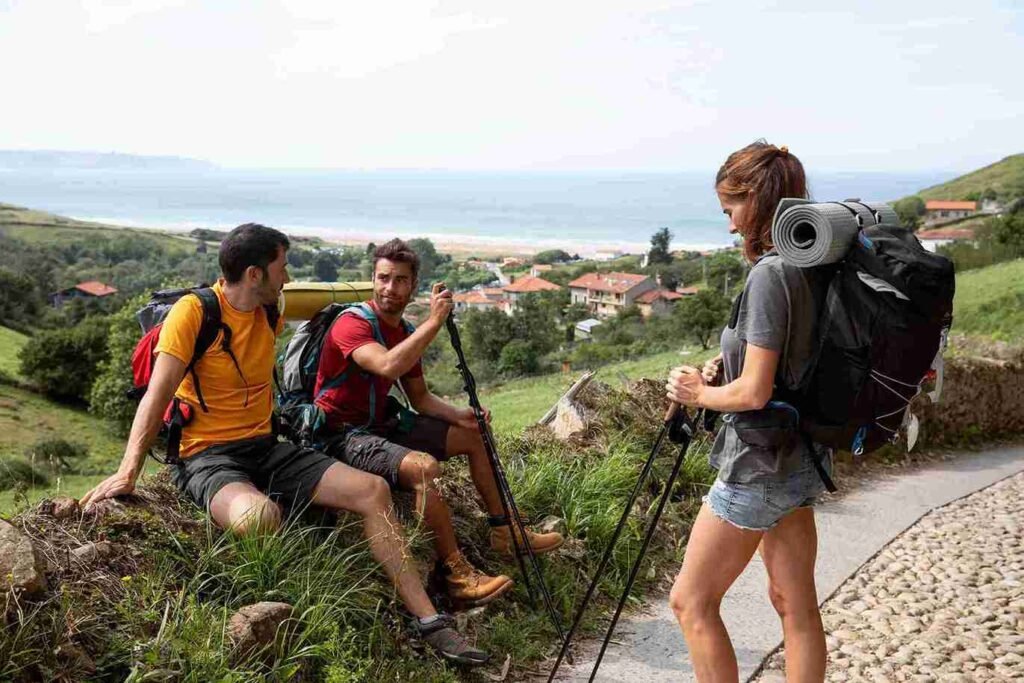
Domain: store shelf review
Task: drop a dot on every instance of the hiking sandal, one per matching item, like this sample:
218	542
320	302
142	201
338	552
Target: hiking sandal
441	635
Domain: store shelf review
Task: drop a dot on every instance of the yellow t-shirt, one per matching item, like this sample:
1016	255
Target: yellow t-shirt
240	404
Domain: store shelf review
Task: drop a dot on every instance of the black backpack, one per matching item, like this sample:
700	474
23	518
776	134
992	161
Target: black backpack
884	321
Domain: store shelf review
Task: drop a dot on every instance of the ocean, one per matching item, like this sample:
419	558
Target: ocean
581	212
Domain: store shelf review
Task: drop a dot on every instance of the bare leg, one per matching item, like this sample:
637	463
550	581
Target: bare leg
242	509
716	554
418	472
463	441
789	551
346	488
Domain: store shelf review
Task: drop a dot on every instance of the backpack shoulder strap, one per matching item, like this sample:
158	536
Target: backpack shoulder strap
208	329
273	315
366	312
211	323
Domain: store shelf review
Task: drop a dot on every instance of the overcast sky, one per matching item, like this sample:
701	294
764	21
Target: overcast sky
557	84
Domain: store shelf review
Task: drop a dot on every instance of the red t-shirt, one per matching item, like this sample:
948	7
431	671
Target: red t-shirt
349	403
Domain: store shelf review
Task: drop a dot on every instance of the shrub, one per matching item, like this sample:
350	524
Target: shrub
65	362
108	397
59	455
16	472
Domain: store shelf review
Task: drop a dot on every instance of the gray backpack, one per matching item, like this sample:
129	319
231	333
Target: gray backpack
301	420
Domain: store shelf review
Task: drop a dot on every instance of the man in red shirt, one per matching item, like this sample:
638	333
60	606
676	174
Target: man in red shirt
404	448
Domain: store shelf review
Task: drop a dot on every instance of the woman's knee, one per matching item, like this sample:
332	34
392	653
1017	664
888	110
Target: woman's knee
793	603
691	605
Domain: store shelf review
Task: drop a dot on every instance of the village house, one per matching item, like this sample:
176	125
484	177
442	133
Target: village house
938	211
606	294
585	328
537	269
523	286
476	300
657	301
933	239
92	289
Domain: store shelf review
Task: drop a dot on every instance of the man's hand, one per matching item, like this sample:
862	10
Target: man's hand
466	418
115	485
440	302
685	385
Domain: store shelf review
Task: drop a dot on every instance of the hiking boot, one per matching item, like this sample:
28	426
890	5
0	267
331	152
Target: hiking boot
440	634
470	586
501	539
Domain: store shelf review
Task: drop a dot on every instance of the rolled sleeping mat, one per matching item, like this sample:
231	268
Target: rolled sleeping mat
302	300
810	234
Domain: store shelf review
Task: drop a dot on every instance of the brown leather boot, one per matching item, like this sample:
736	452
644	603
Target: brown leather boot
469	586
501	539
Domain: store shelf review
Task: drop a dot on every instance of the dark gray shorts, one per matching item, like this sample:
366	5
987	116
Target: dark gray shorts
381	449
286	473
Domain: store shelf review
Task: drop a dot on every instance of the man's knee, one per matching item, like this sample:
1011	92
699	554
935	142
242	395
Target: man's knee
251	516
424	471
374	496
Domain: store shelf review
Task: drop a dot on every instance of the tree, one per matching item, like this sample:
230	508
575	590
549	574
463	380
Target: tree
726	271
325	266
18	299
65	362
660	242
430	259
487	333
909	209
550	256
702	315
518	357
108	396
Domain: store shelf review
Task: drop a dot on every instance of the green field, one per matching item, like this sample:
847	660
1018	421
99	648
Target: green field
522	402
40	227
10	344
1006	177
990	301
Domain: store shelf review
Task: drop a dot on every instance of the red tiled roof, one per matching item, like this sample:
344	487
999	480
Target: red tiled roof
617	283
946	234
688	291
529	284
942	205
493	292
95	288
542	266
473	298
652	295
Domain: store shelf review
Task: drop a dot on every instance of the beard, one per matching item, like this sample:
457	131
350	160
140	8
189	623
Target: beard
394	305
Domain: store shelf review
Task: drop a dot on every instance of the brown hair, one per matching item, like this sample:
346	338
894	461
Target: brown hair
759	175
398	251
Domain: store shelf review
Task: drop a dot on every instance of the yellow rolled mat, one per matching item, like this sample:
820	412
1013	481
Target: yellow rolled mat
302	300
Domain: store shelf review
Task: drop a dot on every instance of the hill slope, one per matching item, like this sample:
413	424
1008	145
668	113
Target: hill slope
990	301
40	227
10	344
1006	177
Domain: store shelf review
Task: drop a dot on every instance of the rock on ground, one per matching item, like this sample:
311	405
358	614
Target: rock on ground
21	566
255	626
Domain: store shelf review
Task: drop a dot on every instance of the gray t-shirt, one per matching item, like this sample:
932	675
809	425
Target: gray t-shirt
778	311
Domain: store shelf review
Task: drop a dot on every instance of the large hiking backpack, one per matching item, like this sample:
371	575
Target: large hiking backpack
884	323
151	319
301	419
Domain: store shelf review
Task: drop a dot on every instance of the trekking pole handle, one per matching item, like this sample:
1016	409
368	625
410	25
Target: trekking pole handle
673	408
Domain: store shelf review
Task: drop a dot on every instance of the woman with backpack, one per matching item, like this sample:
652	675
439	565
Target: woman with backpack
767	483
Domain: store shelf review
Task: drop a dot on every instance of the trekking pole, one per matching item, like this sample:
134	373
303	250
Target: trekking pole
679	429
508	503
609	550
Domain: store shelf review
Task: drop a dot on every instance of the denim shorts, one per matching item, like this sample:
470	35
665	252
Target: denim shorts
760	505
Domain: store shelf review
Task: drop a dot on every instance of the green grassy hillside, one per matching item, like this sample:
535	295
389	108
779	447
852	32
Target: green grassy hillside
1006	177
990	301
40	227
10	344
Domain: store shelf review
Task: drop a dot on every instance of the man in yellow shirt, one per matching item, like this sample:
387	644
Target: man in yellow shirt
232	464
